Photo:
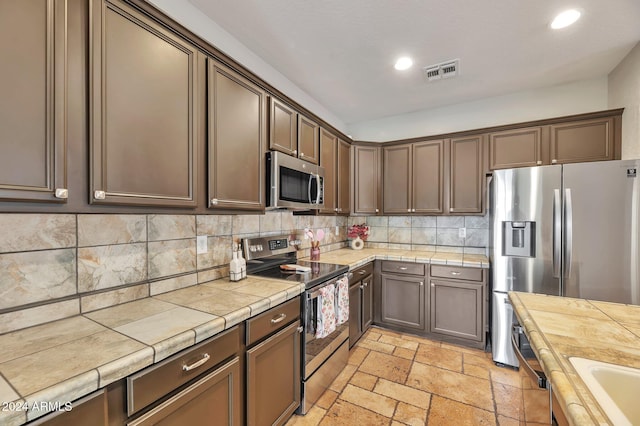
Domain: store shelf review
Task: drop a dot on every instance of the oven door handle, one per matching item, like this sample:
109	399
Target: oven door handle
315	293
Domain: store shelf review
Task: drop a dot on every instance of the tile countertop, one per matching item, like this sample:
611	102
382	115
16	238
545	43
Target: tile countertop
561	327
67	359
356	258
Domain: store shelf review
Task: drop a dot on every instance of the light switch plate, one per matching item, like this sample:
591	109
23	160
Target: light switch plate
462	232
202	244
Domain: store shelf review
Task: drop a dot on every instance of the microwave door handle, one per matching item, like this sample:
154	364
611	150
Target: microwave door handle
318	189
309	189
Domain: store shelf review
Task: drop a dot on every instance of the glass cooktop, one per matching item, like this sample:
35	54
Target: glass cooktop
320	272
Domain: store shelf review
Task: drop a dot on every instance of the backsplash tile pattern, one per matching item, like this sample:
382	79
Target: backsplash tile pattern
438	233
56	266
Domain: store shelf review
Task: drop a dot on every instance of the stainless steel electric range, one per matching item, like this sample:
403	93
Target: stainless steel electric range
322	358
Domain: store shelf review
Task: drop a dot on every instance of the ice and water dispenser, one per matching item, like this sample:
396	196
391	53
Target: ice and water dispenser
519	239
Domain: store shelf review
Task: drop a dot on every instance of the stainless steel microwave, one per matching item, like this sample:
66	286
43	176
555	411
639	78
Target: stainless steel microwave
293	183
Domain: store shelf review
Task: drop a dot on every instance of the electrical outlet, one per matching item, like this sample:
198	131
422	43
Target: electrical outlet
306	237
462	232
337	230
202	244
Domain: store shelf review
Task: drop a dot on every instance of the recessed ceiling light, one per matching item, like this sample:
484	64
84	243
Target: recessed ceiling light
403	63
565	19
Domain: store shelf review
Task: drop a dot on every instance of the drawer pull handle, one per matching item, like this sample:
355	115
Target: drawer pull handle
362	272
455	273
402	268
278	319
196	364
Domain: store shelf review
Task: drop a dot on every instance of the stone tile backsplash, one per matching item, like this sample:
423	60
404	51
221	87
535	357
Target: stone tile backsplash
54	266
440	233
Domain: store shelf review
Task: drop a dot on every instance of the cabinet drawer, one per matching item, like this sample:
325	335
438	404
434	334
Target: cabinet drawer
154	382
456	272
272	320
360	273
403	267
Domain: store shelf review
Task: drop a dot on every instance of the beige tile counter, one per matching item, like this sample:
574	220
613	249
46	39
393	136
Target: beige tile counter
355	258
67	359
561	327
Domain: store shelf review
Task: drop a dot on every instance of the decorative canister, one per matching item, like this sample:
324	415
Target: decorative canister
357	243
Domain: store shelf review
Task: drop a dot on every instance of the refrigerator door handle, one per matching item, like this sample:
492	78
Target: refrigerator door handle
557	227
568	233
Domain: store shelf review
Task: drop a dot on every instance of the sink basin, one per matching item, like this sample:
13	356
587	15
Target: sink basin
615	387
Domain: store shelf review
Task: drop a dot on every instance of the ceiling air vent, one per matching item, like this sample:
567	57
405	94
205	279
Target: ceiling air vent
444	70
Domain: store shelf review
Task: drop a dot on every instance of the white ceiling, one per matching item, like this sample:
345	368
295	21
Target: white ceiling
341	52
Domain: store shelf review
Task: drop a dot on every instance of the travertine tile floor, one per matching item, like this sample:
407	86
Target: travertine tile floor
399	379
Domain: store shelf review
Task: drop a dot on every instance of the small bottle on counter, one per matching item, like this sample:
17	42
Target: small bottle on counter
235	269
243	265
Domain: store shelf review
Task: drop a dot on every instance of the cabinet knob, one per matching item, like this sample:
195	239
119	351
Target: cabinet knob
413	210
451	209
377	210
554	161
295	152
62	193
421	283
335	210
301	154
362	287
214	201
300	329
539	163
433	285
409	210
99	195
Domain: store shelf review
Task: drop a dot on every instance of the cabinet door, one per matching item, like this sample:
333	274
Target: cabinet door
456	309
236	140
328	147
397	174
366	302
428	177
355	314
366	180
33	112
273	378
282	129
343	175
90	410
515	148
402	302
466	179
143	110
308	133
212	400
588	140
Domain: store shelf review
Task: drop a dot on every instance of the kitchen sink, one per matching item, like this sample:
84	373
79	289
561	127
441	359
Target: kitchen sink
615	387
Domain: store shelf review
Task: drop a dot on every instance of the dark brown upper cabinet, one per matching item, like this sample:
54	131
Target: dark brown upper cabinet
578	141
335	159
428	177
366	180
292	133
414	178
515	148
33	113
237	136
397	179
343	168
466	180
143	110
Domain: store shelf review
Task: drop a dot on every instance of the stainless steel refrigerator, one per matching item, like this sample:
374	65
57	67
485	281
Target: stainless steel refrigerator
570	230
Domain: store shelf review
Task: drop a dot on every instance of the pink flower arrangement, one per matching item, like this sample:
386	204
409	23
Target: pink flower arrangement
361	231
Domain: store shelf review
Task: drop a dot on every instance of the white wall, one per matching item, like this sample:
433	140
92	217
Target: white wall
624	92
191	17
547	102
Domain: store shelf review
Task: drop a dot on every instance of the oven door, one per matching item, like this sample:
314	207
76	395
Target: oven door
293	183
318	349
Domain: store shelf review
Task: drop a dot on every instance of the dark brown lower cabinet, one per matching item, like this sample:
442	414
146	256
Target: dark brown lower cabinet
213	400
90	410
360	302
456	309
273	378
402	302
